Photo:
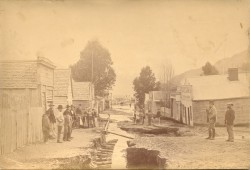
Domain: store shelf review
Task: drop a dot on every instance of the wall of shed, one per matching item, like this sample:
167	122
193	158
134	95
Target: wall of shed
20	118
241	107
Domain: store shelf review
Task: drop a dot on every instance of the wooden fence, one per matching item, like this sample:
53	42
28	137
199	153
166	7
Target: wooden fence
20	118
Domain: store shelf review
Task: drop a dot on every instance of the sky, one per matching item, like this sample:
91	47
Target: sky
137	33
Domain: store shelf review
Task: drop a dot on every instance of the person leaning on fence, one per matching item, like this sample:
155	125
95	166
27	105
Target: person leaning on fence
73	115
60	122
94	115
67	124
52	120
45	126
211	117
229	122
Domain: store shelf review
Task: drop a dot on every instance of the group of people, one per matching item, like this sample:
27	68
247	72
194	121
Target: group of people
86	118
140	115
54	123
229	121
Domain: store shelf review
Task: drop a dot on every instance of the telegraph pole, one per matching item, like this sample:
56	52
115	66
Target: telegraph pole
92	77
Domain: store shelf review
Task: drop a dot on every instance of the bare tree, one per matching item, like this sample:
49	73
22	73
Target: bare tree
167	74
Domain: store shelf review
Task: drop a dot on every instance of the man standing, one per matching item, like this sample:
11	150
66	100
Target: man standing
212	116
52	120
158	115
67	124
60	122
78	115
45	127
229	122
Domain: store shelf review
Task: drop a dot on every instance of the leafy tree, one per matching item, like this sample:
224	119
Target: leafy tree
103	76
144	83
209	69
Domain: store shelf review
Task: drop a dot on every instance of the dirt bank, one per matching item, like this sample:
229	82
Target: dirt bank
53	154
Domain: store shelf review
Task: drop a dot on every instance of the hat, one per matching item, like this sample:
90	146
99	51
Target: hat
60	107
67	106
230	103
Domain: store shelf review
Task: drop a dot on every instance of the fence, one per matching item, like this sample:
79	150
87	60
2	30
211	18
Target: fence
20	118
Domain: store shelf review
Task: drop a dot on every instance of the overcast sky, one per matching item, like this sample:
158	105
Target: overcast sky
137	33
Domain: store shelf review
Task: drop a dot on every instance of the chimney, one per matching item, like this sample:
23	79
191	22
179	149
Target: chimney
233	74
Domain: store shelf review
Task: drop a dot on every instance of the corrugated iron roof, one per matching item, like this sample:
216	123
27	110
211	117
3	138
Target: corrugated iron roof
218	87
81	90
61	82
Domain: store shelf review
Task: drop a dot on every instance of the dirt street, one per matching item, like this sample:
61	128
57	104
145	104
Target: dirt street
192	150
51	155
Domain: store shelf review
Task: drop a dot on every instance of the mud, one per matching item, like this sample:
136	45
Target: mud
141	158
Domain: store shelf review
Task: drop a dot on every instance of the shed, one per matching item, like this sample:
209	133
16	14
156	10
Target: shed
26	88
83	93
219	88
62	87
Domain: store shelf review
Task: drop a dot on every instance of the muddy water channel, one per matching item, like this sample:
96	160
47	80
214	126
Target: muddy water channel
125	157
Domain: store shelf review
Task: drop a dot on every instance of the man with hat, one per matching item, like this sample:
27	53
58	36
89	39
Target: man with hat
229	122
211	117
52	120
60	122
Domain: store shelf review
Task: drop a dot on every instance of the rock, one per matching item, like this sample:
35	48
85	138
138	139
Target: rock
130	143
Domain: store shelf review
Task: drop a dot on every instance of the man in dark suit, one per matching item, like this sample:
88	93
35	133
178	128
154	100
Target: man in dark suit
52	120
229	122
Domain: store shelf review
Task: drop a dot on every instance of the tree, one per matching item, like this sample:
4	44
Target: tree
144	83
95	65
208	69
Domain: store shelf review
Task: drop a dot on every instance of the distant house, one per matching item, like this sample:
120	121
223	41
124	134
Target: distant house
83	93
156	100
191	99
62	87
26	89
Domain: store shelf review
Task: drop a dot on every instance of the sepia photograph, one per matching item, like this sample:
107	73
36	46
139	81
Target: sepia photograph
124	84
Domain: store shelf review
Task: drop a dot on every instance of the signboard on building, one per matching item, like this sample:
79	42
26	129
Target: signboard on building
186	94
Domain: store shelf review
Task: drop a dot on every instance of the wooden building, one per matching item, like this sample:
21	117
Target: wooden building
63	87
191	100
26	88
83	93
157	100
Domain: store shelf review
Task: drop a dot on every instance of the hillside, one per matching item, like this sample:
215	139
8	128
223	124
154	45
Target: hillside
222	66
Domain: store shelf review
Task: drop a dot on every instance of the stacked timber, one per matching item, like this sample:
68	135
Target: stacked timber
104	151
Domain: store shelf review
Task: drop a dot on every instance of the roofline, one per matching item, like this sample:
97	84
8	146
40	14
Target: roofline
217	75
244	97
40	60
17	61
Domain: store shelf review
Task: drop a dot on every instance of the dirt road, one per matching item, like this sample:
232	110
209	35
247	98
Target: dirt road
51	155
192	150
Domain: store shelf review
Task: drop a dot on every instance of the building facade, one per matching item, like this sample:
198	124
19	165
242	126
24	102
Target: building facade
83	93
26	89
192	98
63	94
